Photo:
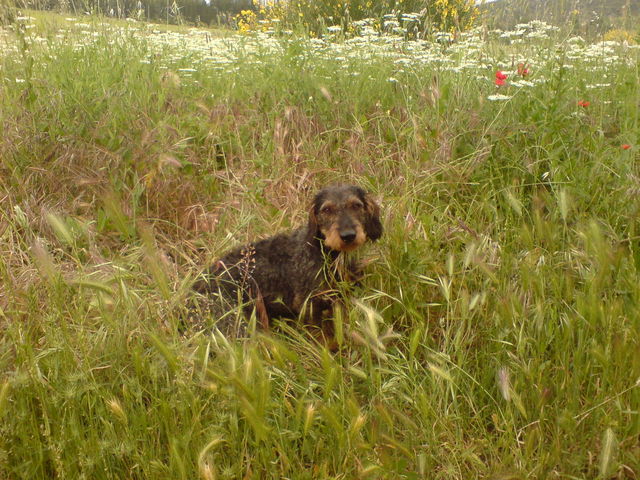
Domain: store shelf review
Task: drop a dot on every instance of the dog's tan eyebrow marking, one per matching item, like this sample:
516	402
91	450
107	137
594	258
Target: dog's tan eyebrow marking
328	205
354	202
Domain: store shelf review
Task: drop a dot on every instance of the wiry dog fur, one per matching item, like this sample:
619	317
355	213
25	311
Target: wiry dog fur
293	275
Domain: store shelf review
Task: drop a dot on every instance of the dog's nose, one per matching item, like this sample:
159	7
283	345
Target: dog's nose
348	236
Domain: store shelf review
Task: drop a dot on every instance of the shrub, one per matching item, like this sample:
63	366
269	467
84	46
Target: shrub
246	21
619	35
316	16
7	12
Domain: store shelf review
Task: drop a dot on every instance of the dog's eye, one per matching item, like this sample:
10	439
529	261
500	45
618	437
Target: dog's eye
328	210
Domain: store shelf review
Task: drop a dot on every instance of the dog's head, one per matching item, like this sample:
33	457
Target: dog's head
343	217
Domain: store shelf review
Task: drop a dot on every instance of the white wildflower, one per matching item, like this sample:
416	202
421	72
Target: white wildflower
522	83
498	97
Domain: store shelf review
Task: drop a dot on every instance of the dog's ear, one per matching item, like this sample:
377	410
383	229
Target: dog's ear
372	224
312	225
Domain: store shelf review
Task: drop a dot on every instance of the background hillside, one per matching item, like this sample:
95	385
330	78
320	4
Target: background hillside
587	16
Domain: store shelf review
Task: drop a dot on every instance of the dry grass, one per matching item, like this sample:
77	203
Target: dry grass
497	332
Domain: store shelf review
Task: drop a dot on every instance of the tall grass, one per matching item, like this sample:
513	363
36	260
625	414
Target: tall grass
496	335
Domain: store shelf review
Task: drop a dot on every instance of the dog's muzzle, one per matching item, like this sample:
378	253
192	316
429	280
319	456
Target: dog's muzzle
348	236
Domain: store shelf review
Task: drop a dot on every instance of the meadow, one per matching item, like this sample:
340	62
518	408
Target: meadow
496	334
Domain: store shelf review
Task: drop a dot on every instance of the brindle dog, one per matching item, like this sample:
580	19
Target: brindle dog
294	275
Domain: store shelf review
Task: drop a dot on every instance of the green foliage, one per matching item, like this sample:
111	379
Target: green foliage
495	335
166	11
7	12
317	16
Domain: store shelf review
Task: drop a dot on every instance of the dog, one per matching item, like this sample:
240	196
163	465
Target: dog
294	275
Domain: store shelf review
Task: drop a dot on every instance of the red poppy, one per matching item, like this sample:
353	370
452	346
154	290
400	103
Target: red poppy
523	71
625	146
500	78
584	103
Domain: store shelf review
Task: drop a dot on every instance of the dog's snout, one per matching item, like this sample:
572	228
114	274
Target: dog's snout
348	236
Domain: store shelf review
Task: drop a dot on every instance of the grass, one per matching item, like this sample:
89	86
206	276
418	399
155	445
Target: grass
496	335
